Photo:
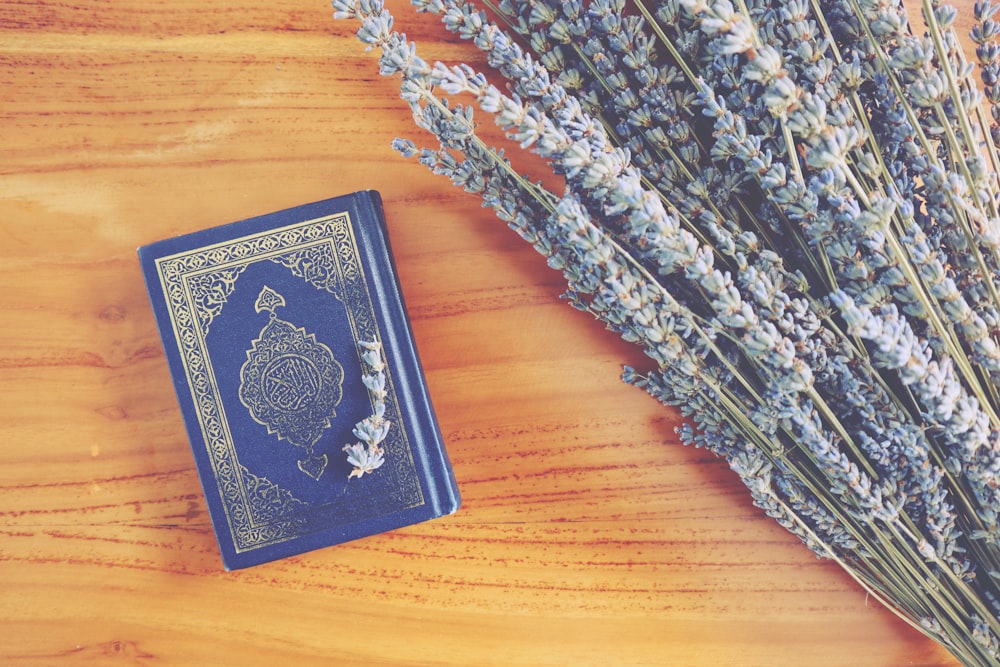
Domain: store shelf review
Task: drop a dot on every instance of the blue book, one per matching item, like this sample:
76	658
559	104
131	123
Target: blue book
298	379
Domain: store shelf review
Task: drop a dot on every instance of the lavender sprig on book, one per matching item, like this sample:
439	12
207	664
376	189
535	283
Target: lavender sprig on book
367	455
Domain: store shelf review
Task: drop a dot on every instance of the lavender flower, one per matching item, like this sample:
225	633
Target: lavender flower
367	454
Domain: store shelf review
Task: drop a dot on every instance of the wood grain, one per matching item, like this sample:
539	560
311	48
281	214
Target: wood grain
588	536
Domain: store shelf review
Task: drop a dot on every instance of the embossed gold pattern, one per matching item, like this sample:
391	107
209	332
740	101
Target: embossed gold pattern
197	284
291	383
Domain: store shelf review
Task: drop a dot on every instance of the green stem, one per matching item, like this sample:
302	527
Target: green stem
668	44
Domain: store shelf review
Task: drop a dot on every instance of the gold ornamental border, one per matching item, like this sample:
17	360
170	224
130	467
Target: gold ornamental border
196	283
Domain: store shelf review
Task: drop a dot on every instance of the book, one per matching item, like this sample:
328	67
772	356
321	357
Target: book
298	379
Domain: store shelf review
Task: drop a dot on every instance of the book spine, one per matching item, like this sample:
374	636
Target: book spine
400	343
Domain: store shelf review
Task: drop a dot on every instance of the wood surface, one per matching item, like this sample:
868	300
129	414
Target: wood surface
588	535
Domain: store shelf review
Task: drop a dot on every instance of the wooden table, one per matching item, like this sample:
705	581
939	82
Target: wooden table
588	535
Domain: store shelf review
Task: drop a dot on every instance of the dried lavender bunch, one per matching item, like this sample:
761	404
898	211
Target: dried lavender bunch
792	208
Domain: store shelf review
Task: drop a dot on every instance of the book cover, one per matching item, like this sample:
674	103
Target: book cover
293	361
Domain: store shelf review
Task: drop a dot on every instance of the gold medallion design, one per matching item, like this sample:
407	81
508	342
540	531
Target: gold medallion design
291	383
